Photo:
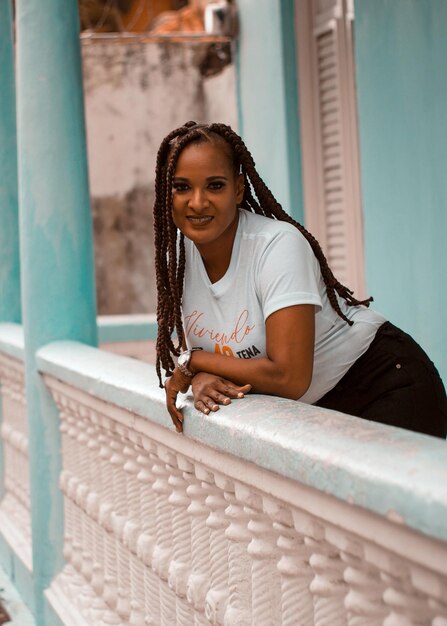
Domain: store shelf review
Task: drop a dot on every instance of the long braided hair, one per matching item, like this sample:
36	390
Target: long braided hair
170	252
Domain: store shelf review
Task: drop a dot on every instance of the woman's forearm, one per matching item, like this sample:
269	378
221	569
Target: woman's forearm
263	374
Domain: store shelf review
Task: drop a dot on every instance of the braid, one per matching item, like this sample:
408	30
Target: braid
170	250
271	208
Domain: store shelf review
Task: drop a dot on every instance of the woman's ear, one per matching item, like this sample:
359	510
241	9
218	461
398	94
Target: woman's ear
240	186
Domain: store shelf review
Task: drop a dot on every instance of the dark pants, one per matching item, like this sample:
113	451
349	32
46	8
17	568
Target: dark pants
395	383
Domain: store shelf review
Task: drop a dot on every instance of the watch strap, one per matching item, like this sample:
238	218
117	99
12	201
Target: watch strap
183	367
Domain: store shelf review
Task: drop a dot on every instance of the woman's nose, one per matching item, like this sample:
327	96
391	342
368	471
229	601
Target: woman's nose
198	200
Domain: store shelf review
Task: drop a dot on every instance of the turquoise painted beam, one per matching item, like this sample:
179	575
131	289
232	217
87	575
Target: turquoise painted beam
268	97
56	251
122	328
9	213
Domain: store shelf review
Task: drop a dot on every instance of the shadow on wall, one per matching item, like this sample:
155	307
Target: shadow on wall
135	93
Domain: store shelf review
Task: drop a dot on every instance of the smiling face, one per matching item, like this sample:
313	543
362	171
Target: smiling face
206	192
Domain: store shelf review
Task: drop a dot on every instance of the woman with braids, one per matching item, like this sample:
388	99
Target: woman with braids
254	305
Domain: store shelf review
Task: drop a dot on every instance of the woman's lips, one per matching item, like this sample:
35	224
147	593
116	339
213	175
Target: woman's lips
200	220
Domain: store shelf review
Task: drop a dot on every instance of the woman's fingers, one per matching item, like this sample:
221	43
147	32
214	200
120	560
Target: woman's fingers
174	412
211	401
205	406
176	416
234	391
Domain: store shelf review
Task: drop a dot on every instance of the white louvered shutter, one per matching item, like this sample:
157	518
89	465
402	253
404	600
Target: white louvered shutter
329	135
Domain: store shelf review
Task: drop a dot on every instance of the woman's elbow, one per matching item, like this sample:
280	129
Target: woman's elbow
294	387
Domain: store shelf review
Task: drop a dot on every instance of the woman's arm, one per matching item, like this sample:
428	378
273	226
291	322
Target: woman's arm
287	369
285	372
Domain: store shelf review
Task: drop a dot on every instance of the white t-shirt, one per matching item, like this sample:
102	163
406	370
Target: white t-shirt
272	267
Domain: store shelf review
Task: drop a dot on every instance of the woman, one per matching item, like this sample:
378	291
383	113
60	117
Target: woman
238	277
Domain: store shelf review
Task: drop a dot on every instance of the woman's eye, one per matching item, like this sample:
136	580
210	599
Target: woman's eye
216	186
179	187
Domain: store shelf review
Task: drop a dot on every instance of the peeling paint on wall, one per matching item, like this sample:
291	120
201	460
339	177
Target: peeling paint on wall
135	93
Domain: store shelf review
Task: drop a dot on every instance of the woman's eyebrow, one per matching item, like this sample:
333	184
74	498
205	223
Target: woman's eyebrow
208	179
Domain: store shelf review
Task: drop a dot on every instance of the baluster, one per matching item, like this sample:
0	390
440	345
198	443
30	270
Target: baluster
162	553
405	605
199	578
217	597
147	539
105	512
180	566
266	586
293	566
119	518
238	611
132	530
364	600
93	504
408	608
434	585
72	486
67	453
328	586
83	490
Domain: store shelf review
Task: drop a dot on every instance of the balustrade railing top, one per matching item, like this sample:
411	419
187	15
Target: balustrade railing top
396	474
12	340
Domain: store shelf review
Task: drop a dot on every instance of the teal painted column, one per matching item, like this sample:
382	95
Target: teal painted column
57	270
268	96
9	213
10	310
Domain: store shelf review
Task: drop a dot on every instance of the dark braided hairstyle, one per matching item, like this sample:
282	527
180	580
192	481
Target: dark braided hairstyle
170	252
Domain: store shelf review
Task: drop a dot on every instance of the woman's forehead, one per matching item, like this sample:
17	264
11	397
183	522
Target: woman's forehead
209	154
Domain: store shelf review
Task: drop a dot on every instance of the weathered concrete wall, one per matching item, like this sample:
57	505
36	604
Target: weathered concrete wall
135	93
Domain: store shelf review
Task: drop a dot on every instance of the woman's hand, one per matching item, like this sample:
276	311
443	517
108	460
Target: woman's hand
175	384
209	391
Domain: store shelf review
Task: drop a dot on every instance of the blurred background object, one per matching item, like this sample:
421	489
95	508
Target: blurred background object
158	16
148	67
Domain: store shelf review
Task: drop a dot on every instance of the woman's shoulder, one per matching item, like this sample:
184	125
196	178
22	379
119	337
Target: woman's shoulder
266	227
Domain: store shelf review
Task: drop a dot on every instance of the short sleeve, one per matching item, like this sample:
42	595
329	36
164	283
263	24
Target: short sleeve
288	273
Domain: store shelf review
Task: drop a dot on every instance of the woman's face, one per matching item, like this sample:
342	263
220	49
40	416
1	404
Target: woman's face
205	194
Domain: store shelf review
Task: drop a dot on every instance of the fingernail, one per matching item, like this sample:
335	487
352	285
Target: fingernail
240	395
207	411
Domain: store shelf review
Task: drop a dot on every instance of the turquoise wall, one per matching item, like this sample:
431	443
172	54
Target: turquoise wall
401	60
268	99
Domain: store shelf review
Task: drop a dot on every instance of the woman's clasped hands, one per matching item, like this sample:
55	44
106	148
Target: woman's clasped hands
209	391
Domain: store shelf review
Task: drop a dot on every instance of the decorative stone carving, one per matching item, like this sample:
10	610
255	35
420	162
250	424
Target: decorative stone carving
154	537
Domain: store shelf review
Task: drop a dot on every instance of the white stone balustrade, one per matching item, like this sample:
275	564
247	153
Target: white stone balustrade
15	519
268	512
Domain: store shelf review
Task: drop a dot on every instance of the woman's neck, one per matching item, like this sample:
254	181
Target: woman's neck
216	255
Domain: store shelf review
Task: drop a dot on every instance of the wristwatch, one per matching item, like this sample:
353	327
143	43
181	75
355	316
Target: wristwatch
184	360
